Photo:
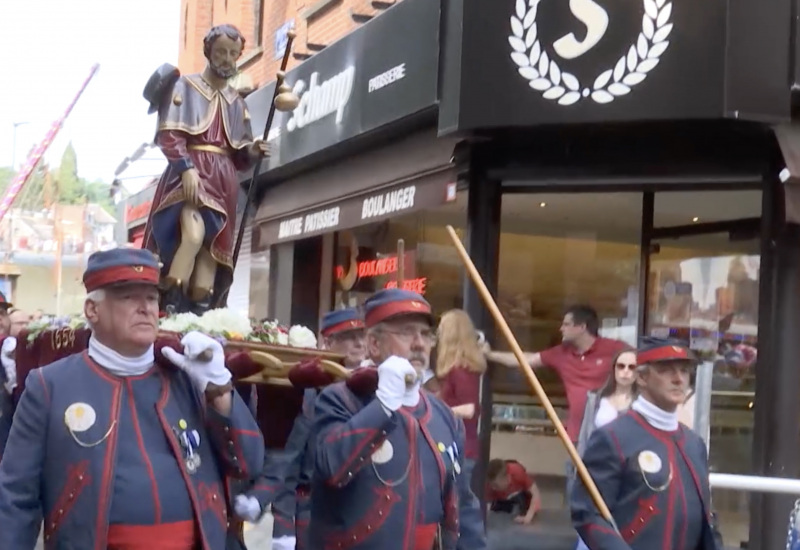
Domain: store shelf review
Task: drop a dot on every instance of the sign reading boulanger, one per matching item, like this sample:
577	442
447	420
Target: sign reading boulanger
355	211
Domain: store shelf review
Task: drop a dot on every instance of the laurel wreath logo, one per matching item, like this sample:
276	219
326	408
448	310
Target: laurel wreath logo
544	74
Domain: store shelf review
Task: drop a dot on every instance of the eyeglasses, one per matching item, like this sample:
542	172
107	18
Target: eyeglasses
623	366
408	334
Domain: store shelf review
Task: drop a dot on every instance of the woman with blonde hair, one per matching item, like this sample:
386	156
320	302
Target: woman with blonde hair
460	363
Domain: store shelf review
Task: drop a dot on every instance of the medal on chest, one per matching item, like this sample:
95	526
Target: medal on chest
651	465
189	441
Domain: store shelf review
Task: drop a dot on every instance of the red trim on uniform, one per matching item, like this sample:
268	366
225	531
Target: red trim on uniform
251	433
148	465
373	520
106	484
413	480
344	326
160	406
407	307
77	480
44	387
425	536
211	499
120	274
664	353
646	509
180	535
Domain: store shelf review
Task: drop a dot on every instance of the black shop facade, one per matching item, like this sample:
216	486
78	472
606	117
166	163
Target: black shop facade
638	157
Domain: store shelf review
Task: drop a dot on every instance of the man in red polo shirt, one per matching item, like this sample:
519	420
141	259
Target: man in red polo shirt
582	361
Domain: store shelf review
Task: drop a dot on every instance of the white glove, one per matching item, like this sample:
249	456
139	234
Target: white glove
392	391
9	363
284	543
200	372
247	508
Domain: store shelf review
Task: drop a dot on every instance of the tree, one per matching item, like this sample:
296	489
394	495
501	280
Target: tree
69	185
66	187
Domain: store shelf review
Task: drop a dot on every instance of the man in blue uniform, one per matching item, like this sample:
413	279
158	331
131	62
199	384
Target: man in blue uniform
387	466
8	377
651	471
117	452
287	483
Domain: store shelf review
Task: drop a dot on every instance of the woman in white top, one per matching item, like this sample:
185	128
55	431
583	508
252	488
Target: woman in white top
607	403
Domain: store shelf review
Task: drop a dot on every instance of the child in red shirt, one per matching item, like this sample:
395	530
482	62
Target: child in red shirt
512	489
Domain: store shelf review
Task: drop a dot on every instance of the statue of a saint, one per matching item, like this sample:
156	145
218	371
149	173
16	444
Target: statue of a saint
204	131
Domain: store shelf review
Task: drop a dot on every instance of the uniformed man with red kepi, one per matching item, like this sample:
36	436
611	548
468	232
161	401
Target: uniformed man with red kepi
651	470
116	451
286	481
388	462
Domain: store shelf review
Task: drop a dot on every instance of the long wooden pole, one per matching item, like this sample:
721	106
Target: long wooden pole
588	482
401	262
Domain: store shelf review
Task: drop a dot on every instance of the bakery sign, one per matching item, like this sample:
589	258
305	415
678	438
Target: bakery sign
360	210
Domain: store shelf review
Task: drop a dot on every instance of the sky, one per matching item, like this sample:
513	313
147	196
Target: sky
50	48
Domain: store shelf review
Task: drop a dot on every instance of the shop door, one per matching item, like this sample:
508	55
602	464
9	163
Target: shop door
702	288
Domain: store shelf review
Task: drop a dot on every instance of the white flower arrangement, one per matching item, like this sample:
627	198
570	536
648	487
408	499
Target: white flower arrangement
302	337
35	328
232	325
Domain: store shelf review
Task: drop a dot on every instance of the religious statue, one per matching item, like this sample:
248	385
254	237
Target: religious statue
204	132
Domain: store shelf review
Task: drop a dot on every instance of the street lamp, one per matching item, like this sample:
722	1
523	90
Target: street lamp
14	144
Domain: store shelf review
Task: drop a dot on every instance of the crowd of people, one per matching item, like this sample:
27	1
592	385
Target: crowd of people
113	449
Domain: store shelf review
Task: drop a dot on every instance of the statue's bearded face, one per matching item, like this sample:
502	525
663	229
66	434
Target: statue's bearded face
224	53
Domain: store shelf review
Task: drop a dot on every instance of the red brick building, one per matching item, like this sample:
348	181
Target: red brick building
317	24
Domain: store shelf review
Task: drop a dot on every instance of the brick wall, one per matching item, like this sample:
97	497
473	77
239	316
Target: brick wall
325	27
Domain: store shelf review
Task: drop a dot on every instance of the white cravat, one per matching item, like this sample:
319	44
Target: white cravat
655	416
117	364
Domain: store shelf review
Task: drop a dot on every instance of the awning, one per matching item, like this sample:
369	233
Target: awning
412	174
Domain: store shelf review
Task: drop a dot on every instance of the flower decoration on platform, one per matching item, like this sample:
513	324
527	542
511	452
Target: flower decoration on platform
231	325
35	328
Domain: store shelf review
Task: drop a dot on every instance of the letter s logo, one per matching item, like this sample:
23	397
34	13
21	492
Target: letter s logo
596	20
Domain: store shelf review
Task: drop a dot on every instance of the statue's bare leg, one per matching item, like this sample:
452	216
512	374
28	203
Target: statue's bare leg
193	231
202	283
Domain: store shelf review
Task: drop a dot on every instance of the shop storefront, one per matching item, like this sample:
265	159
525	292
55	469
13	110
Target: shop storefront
355	169
635	169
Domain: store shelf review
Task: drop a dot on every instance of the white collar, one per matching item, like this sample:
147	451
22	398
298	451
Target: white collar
656	416
118	364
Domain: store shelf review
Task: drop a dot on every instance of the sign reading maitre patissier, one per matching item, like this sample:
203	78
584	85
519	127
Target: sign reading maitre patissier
370	208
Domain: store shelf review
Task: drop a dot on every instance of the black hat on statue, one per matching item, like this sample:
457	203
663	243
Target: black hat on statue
159	84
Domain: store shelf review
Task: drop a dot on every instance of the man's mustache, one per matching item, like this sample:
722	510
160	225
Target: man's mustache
419	357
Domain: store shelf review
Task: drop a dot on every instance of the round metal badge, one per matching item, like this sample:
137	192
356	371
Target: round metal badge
649	462
383	454
79	417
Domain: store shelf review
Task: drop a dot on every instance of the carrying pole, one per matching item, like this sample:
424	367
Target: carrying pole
491	305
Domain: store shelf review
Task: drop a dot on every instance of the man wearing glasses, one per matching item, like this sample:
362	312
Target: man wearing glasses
387	465
651	471
287	485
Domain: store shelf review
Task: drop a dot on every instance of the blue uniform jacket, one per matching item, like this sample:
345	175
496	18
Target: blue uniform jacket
378	476
655	484
6	415
126	466
286	478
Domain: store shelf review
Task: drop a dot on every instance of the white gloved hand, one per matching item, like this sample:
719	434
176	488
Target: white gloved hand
284	543
392	382
247	508
200	372
9	362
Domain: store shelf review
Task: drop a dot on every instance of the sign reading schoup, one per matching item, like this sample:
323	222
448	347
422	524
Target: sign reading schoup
321	100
